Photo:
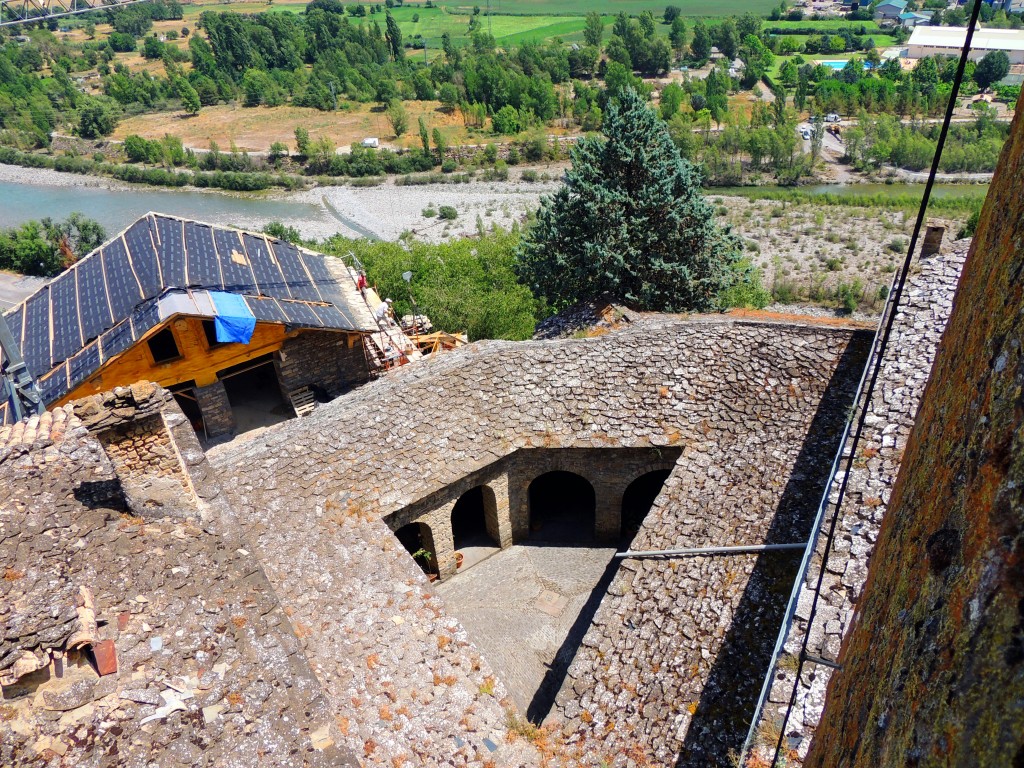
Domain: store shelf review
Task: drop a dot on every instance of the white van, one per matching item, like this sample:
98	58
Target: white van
372	143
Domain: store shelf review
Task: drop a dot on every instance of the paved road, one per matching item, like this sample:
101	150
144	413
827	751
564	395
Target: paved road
14	288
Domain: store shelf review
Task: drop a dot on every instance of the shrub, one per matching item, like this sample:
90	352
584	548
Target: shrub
429	212
449	165
448	212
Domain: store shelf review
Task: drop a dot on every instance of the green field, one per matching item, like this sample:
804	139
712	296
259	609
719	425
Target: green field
632	7
870	26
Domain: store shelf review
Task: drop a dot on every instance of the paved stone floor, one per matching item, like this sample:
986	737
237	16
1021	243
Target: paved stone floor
522	608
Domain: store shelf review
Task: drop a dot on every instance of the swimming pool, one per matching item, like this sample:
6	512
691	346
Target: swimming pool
838	64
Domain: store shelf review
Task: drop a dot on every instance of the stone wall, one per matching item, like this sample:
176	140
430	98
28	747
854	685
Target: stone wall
218	418
609	471
160	466
933	668
671	666
739	399
793	710
326	362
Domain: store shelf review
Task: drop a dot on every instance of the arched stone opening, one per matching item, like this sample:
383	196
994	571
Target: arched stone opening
475	519
562	508
418	540
638	499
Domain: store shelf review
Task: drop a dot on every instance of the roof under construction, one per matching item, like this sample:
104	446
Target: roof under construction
161	266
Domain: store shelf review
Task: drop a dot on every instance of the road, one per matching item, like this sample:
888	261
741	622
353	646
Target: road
14	288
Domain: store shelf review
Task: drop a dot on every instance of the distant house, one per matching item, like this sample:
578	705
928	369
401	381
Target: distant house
912	19
736	68
890	10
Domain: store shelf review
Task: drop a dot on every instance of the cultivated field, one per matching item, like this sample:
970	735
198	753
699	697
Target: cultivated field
254	129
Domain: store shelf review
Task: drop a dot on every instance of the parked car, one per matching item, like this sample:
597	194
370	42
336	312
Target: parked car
373	143
805	134
831	117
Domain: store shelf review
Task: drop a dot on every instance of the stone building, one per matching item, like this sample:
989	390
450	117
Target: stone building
224	319
270	602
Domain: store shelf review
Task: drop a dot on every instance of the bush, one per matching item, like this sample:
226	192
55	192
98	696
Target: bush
529	175
448	213
429	212
449	165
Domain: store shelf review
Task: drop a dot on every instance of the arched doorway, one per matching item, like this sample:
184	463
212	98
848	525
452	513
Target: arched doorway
638	500
474	519
562	508
418	541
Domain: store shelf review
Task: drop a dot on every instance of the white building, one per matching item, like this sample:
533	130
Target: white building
949	41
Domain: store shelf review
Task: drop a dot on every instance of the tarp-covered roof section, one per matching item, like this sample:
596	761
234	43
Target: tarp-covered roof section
108	300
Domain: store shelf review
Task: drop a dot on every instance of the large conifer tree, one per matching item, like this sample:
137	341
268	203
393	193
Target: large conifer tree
630	221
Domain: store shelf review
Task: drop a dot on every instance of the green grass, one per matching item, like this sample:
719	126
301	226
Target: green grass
632	7
870	26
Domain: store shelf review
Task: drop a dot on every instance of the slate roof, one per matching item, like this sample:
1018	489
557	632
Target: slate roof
209	672
160	266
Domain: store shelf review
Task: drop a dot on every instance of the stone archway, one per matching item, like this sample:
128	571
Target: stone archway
418	540
637	500
562	508
475	519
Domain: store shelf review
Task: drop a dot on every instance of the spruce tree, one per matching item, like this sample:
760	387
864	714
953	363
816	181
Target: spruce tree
630	221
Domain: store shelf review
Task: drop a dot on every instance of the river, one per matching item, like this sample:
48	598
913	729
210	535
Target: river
116	208
384	212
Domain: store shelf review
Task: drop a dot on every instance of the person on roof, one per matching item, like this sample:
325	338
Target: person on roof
383	312
361	283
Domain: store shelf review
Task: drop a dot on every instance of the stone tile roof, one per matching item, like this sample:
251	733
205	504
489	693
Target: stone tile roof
665	668
312	492
207	671
890	414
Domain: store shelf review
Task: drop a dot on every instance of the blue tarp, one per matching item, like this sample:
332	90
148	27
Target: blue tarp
234	320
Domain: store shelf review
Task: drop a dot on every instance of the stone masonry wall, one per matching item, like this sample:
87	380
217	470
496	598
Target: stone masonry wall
918	326
669	670
160	465
608	470
323	361
933	668
218	419
740	399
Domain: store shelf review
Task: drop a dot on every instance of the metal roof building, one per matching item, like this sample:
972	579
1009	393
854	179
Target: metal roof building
948	41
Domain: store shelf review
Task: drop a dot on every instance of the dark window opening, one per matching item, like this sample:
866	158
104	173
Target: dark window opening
185	397
419	542
255	394
562	508
210	330
163	346
469	518
638	500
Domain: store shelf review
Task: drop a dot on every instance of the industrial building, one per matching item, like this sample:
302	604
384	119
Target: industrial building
949	41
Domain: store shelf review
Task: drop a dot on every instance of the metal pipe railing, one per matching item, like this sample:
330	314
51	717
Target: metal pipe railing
738	549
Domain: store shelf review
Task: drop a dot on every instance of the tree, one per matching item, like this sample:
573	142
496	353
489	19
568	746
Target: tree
189	96
449	97
398	118
506	120
96	120
439	144
424	136
302	141
672	12
594	29
700	46
394	38
991	69
677	34
631	222
671	99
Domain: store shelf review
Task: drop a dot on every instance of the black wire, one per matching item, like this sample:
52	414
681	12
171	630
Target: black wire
895	297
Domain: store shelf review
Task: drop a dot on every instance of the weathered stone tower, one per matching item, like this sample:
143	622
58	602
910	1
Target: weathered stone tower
933	670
